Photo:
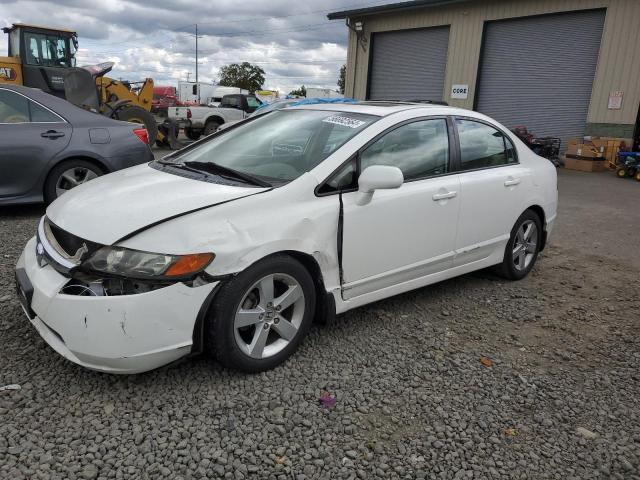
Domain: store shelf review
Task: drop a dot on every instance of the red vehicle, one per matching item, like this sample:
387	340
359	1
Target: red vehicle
163	98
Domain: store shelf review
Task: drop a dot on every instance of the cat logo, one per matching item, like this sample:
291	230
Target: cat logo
8	73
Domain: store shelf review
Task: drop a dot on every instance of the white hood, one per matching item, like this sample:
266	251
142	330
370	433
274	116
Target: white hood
110	207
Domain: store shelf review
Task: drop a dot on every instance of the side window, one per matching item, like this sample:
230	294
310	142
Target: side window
482	146
253	102
343	179
14	108
40	114
420	149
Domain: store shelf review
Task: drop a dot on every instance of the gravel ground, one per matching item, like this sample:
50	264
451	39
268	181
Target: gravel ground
473	378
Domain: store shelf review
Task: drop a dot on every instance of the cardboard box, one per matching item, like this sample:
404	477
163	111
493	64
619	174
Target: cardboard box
585	165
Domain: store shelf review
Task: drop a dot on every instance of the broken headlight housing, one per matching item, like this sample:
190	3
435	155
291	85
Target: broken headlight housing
125	262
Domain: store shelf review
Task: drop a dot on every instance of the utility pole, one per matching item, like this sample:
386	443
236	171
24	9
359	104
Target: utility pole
188	75
197	84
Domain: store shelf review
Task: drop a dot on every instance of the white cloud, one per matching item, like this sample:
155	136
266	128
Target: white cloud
295	44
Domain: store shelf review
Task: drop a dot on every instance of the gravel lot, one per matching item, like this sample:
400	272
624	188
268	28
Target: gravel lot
471	378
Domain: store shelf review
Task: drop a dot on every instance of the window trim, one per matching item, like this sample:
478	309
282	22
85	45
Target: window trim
29	99
451	163
495	127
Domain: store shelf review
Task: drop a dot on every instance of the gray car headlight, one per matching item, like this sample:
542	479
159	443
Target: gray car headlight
138	264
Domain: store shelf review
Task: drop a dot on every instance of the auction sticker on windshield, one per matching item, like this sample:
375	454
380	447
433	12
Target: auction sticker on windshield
344	121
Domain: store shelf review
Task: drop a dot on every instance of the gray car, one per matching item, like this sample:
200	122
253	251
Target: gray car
48	145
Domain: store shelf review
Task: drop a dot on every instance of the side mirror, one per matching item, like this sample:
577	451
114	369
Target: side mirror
377	177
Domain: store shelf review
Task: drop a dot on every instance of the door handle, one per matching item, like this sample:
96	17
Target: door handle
511	182
52	134
443	196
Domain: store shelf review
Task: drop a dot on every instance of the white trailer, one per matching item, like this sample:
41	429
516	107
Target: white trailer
188	91
313	92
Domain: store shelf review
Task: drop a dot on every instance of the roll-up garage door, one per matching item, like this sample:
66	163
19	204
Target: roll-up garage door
538	71
409	64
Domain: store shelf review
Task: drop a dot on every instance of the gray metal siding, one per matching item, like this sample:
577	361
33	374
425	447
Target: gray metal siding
539	71
409	64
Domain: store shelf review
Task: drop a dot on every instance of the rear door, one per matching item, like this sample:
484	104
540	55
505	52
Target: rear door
30	136
492	183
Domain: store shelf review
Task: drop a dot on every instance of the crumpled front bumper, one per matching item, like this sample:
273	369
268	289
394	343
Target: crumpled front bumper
118	334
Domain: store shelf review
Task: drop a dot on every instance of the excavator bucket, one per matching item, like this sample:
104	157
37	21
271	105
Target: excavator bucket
80	89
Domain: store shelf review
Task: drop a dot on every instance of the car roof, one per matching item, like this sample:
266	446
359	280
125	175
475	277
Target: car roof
384	108
71	113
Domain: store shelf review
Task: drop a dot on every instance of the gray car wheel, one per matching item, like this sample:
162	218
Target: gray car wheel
523	247
68	175
260	316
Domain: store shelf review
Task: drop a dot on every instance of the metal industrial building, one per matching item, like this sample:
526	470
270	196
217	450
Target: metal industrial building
564	68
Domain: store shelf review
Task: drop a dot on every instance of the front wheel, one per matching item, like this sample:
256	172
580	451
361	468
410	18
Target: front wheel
259	317
637	175
139	115
523	247
621	172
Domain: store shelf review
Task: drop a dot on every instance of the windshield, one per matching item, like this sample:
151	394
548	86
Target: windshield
48	50
280	146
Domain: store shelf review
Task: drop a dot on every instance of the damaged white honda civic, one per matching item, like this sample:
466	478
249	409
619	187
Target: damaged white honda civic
235	244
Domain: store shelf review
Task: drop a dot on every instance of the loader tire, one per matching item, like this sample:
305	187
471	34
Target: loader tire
136	114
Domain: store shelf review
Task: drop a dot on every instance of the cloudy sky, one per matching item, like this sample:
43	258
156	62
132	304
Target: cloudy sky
291	40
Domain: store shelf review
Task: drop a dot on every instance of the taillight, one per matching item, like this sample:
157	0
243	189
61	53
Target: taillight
142	134
188	113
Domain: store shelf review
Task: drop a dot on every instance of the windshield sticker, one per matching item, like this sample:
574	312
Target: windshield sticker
344	121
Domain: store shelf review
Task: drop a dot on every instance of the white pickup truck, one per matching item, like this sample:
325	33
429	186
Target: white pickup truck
203	120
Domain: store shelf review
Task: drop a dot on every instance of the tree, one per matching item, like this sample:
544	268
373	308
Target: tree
341	78
299	92
242	75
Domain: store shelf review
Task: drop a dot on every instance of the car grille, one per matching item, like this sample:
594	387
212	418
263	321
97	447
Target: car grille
69	242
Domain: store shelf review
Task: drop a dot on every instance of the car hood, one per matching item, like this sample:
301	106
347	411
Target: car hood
117	205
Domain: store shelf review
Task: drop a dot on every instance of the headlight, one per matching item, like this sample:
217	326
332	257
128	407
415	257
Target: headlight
136	264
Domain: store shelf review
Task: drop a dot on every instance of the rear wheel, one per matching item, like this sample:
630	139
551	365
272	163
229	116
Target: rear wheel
192	134
523	247
260	316
211	127
140	115
67	175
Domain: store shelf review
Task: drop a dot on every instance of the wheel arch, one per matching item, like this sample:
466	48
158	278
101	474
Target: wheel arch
325	303
214	118
539	211
94	161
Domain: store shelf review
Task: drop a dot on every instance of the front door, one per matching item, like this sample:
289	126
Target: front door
409	232
30	136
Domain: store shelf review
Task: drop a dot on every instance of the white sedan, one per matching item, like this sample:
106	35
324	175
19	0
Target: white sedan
238	242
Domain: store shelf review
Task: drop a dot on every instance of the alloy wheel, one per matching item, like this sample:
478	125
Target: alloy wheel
72	178
525	245
269	315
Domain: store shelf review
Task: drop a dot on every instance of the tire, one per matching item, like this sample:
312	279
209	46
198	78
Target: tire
140	115
192	134
62	175
210	127
516	268
621	172
637	175
236	346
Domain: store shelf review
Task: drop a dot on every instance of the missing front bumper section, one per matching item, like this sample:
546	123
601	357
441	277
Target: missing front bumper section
92	286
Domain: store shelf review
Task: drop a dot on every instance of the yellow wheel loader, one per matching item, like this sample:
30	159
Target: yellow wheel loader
44	58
